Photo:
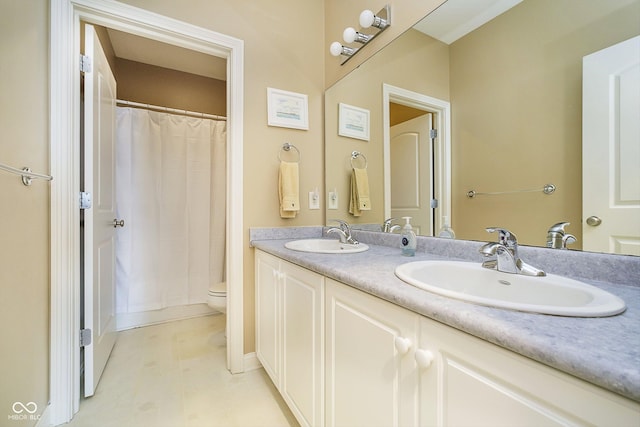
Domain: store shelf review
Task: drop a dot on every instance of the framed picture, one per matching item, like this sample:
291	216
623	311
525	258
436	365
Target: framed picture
353	122
287	109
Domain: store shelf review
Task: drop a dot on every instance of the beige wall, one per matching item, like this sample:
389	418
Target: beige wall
416	62
149	84
24	211
275	56
496	150
283	45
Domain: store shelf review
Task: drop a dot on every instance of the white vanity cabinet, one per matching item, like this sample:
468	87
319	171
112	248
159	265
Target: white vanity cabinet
371	377
474	383
341	357
289	334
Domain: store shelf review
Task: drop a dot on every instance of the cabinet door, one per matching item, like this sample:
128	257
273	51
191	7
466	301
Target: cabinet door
480	384
370	372
302	384
267	276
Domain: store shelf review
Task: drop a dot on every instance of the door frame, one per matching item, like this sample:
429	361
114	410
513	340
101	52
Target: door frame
442	152
64	122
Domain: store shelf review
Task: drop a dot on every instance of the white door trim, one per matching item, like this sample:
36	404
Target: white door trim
442	122
64	115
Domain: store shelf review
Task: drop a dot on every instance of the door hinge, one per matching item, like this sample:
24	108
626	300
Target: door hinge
85	200
434	203
85	63
433	133
85	337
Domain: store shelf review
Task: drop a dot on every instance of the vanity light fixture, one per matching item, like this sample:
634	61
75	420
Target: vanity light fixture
377	22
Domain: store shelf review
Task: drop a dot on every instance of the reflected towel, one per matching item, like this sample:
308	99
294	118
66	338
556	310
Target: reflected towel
288	189
359	200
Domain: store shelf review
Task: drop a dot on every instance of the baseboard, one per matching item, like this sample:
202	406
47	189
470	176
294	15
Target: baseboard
45	418
126	321
251	362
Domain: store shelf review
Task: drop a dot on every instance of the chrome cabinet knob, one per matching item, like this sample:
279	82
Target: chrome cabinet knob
117	223
594	221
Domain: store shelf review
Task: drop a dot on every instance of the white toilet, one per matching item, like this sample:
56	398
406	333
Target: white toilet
217	297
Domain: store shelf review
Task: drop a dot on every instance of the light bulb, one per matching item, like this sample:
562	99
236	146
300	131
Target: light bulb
349	35
335	49
366	18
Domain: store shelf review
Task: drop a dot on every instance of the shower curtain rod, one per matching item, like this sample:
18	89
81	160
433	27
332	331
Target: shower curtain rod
170	110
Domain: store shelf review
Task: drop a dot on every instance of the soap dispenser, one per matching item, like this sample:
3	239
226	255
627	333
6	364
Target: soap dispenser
446	231
408	238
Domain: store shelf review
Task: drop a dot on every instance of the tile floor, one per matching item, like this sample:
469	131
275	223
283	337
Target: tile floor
174	375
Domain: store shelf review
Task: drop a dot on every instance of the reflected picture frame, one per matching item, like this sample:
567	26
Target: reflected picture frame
287	109
353	122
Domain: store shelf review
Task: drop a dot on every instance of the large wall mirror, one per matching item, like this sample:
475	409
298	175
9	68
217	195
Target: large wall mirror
505	94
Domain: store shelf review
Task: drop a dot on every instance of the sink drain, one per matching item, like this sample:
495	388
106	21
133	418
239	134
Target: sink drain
504	282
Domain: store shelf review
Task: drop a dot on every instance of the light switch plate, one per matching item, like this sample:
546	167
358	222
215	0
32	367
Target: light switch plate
314	200
333	200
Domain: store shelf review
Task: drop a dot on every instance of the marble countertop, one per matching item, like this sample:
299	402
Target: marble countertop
603	351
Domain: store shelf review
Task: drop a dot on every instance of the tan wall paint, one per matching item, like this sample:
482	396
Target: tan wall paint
149	84
283	49
496	150
24	211
340	14
418	63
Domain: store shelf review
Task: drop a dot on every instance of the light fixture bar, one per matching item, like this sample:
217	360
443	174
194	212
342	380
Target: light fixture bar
371	25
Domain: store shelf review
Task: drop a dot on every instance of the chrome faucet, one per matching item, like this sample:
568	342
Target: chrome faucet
557	238
343	232
387	227
503	255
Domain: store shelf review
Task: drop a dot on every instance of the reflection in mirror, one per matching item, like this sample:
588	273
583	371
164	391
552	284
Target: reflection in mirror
515	90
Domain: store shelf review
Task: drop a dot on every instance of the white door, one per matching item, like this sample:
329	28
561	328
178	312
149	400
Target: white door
99	220
611	140
412	173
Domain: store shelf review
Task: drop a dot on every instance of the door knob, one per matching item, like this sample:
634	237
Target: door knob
594	221
117	223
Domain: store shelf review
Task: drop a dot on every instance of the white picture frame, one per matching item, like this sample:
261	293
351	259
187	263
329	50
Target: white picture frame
353	122
287	109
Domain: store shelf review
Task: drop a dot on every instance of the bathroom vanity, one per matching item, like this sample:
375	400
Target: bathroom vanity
348	343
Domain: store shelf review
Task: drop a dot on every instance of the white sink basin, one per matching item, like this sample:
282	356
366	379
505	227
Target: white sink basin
325	246
547	295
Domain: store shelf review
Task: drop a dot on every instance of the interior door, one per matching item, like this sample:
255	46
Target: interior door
100	223
412	173
611	140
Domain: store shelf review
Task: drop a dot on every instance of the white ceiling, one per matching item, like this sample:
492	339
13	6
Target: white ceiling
456	18
148	51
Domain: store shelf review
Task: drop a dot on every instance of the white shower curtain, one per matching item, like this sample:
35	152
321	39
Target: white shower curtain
170	182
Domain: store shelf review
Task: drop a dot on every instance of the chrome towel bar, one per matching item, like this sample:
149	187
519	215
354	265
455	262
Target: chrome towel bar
547	189
26	174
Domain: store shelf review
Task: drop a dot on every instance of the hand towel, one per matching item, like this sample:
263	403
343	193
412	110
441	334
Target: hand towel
288	189
360	199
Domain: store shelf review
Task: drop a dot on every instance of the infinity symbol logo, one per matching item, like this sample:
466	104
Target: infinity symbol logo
19	407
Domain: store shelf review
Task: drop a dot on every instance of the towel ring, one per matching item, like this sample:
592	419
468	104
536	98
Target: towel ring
287	147
355	155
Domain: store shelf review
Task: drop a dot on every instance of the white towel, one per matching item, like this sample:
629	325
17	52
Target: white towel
288	192
360	199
